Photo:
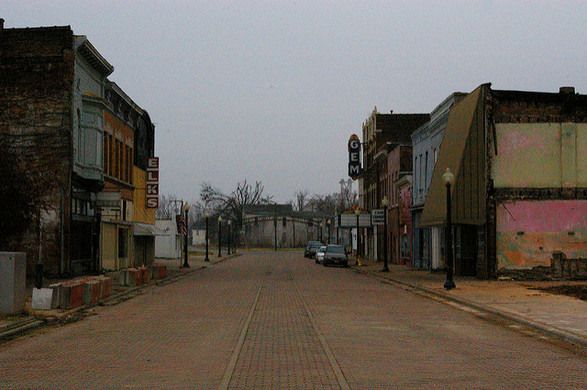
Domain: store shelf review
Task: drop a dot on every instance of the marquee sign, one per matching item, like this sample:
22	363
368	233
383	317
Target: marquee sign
152	183
354	157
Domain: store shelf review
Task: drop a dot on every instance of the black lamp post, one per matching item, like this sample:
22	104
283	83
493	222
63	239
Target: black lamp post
206	217
385	203
328	225
186	209
448	177
220	236
321	232
229	233
275	231
357	213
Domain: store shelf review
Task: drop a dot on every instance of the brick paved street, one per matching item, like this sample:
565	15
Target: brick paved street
279	321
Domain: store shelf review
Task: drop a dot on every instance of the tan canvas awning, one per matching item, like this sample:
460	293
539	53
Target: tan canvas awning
143	229
463	151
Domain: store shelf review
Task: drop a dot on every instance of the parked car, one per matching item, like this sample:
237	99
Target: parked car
335	254
320	254
311	248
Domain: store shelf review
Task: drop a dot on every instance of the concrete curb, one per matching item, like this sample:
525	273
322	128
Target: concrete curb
21	327
559	334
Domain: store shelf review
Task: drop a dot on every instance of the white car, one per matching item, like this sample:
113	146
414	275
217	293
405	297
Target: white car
320	254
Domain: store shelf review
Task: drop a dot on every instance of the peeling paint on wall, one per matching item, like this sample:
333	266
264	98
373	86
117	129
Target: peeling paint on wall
529	231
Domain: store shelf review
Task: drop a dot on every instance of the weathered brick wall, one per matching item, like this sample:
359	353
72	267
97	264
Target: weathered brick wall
36	82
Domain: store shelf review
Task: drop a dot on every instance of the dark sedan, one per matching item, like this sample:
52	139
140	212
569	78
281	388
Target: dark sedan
311	248
335	254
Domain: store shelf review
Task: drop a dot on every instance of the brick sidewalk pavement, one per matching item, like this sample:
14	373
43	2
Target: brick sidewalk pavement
179	335
30	319
559	315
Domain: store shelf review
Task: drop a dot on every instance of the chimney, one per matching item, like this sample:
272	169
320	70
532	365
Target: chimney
566	90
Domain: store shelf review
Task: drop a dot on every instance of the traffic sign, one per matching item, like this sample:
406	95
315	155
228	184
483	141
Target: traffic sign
378	216
350	220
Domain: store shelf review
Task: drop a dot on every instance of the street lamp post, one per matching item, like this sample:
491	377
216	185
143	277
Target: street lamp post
186	209
357	213
321	232
229	233
385	203
275	232
220	236
206	218
448	177
328	225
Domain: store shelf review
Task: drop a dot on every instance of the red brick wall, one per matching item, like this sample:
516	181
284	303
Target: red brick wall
36	86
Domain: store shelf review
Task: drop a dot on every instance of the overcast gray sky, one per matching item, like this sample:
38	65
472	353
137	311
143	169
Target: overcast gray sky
271	90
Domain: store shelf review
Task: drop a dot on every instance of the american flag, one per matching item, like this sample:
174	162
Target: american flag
181	225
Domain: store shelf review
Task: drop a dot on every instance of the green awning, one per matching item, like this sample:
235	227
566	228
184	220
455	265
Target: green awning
463	151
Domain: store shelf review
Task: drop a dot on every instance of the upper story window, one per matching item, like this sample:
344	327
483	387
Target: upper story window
426	172
416	176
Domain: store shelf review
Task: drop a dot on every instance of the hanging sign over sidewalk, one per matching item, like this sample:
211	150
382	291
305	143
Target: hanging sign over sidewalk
350	220
354	156
152	183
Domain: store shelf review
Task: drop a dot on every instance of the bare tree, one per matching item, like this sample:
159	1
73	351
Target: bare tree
232	205
301	200
348	198
324	203
168	206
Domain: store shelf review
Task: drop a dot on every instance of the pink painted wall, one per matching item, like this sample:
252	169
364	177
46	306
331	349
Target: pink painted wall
529	231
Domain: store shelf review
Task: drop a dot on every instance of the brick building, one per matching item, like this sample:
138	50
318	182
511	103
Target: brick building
399	165
427	242
128	143
379	130
520	191
54	110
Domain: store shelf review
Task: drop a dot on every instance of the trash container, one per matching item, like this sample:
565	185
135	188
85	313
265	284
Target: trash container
12	282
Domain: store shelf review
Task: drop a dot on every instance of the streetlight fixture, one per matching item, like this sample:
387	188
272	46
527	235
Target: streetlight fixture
357	213
385	203
321	232
229	233
328	225
220	236
186	209
449	178
206	218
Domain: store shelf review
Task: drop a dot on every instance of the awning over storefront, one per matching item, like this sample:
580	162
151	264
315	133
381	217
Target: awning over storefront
463	151
144	229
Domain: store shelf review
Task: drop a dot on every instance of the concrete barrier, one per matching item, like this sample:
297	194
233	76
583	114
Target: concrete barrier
105	286
92	291
132	277
145	274
72	294
42	299
159	271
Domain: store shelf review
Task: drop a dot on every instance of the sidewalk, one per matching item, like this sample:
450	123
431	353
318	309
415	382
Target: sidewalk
560	316
11	326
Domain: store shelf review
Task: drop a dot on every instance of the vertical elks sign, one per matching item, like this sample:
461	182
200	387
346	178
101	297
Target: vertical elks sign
354	156
152	183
